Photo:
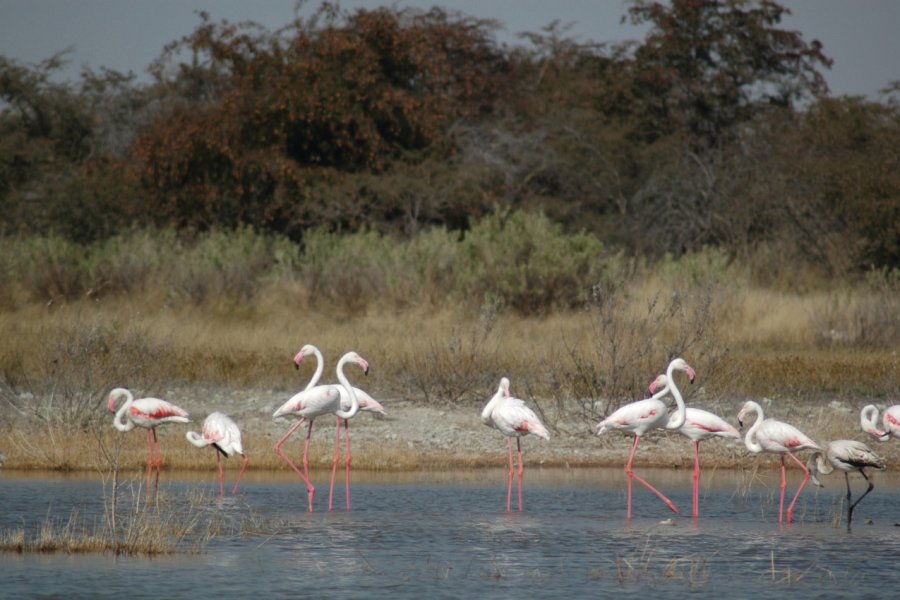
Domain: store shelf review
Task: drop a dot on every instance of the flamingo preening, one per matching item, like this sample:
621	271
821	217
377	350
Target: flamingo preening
148	413
639	417
846	456
313	402
769	435
222	433
698	425
890	421
513	419
366	403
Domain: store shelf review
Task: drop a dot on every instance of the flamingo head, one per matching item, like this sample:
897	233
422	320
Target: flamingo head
504	387
298	358
747	408
363	363
114	398
659	383
679	364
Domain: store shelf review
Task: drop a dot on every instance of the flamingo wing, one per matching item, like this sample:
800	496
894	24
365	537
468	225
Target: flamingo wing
311	403
636	417
777	436
150	412
221	430
513	418
701	425
849	455
891	420
366	402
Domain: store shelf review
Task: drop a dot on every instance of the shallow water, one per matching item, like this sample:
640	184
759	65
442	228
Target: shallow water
447	535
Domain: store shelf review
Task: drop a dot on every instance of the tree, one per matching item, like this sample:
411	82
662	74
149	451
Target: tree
268	117
708	65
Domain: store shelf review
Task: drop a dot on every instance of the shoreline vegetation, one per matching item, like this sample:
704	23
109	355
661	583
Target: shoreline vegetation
212	324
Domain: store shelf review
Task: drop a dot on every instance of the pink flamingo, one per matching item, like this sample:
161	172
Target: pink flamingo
769	435
868	420
148	413
513	419
698	425
639	417
846	456
366	403
313	402
221	432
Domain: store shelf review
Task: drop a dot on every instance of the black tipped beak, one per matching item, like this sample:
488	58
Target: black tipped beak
296	366
366	372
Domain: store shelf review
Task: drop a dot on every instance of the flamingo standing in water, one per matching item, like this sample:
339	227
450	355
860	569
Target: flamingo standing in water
366	403
846	456
148	413
698	425
513	419
868	420
314	402
639	417
769	435
222	433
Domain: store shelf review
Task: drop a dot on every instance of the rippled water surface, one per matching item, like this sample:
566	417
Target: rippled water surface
447	535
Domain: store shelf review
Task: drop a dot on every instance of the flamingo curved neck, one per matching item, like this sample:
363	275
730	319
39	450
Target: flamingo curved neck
678	420
320	367
119	420
196	439
750	438
354	401
490	406
823	466
868	421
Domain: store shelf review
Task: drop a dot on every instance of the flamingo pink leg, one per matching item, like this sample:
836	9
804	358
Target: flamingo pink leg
521	470
334	462
631	474
696	494
347	439
221	473
240	475
509	481
783	488
310	489
790	510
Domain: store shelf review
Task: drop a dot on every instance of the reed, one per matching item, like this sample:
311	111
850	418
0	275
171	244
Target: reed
163	525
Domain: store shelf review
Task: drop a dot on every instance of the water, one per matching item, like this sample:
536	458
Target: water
447	535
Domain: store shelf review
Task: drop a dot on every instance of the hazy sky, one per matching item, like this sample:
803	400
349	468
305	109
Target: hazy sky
862	36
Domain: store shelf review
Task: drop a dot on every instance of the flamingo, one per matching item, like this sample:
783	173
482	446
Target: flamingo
314	402
698	425
846	456
769	435
221	432
639	417
513	419
868	420
366	403
148	413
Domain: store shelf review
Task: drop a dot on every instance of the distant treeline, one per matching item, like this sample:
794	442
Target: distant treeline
715	130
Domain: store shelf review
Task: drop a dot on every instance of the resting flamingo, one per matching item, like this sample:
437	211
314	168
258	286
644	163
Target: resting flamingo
148	413
846	456
366	403
639	417
513	419
769	435
698	425
868	420
222	433
314	402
